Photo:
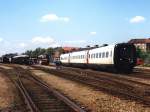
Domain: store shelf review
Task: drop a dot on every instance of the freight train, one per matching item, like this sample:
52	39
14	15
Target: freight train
118	57
21	59
43	59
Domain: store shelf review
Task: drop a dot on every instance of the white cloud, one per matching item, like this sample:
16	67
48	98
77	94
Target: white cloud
55	45
42	40
54	17
1	39
22	45
137	19
93	33
75	41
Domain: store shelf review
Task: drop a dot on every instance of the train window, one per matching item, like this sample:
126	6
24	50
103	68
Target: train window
103	54
107	53
83	56
96	55
99	55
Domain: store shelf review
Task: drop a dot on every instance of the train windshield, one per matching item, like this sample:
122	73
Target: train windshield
125	55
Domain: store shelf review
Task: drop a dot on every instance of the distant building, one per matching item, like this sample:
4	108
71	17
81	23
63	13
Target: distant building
70	49
143	44
57	53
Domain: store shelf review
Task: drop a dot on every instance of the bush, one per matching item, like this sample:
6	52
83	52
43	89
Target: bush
144	55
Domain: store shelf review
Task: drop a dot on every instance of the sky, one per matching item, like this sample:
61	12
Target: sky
28	24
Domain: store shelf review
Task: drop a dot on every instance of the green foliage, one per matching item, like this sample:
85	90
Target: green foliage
10	55
141	54
39	51
50	51
144	55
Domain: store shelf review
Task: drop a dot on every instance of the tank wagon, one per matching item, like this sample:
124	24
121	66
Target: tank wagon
118	57
21	59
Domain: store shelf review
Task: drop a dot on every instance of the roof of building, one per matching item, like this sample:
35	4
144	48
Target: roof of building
141	41
70	48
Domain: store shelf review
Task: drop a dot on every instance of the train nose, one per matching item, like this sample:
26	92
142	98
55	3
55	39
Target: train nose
131	60
127	60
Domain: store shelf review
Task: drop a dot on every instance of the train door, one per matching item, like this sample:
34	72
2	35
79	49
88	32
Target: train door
87	57
69	58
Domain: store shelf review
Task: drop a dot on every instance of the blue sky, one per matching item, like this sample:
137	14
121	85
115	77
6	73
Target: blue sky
27	24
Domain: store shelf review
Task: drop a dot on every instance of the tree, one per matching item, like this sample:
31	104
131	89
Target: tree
141	54
29	53
50	51
38	51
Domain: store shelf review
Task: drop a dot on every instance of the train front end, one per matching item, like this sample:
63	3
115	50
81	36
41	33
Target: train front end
124	57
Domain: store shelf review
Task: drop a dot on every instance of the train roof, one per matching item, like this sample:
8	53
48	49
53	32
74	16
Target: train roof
103	48
93	49
23	56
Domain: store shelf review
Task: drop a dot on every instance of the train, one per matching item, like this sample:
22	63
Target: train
119	57
43	59
21	59
25	59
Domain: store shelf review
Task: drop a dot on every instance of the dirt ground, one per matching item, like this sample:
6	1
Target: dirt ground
6	91
96	101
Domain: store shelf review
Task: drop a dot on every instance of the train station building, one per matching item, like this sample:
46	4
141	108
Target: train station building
143	44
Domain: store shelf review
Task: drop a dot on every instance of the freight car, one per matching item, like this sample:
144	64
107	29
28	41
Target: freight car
118	57
5	59
21	59
43	59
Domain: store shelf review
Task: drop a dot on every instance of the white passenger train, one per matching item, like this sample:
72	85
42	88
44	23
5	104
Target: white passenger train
118	57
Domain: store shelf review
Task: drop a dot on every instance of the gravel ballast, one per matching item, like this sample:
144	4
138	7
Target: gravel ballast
96	101
6	91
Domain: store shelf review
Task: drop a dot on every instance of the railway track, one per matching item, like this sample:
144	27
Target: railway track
110	76
112	85
38	97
